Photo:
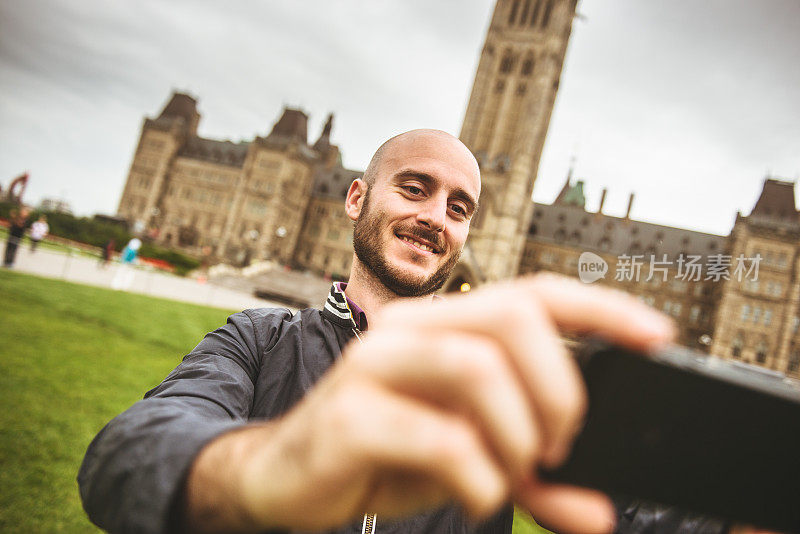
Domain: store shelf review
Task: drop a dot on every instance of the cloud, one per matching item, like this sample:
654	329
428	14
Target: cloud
660	97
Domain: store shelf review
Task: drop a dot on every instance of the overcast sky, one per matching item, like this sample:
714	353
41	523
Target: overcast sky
686	103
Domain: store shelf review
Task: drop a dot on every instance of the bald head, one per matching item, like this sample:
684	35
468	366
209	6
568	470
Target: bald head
412	210
422	142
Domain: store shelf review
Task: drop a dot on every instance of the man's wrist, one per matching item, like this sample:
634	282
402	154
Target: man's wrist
212	499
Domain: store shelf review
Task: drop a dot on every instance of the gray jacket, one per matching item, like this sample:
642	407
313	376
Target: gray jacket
257	366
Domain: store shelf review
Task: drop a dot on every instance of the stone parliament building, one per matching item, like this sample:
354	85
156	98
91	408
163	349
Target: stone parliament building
280	197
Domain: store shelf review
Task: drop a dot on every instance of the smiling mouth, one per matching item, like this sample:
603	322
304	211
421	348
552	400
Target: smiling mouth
417	244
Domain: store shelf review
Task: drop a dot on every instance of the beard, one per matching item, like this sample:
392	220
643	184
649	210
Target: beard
371	251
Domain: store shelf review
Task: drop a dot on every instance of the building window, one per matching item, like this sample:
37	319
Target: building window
761	352
549	258
745	315
547	9
525	11
679	286
512	17
775	289
694	314
767	317
698	290
736	346
507	63
527	67
794	361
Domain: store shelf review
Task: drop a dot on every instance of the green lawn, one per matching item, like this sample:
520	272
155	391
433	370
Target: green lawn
72	357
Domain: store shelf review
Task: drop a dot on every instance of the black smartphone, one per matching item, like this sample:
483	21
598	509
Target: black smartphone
678	427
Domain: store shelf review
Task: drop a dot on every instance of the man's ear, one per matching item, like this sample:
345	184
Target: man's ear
355	198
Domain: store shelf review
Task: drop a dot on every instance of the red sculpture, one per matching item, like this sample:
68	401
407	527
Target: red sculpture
20	182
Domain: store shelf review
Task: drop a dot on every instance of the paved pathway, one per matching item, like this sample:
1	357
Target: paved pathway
85	270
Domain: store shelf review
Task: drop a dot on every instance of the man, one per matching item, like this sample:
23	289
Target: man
18	220
425	416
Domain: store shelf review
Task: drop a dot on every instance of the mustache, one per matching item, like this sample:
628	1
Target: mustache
424	233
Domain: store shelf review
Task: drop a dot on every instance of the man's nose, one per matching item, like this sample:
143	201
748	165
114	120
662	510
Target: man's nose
433	214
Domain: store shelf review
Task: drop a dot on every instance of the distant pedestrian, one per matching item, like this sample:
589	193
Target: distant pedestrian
123	279
18	220
39	230
108	252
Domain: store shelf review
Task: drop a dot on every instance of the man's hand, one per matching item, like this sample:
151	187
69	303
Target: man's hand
460	399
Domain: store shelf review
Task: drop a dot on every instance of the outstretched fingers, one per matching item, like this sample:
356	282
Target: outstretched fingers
617	316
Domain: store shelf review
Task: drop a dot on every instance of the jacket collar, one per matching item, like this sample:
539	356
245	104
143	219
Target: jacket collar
342	311
338	310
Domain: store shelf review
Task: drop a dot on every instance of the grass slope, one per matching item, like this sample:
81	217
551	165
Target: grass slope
71	358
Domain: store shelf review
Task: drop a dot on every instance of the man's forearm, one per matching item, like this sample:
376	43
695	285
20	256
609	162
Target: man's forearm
212	498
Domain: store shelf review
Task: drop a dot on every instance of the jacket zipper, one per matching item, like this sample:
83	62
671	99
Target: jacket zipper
370	520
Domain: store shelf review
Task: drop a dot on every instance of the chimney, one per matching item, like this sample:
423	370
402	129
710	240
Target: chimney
602	200
630	205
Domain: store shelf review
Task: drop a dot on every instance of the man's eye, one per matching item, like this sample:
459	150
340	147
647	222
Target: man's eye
413	190
458	209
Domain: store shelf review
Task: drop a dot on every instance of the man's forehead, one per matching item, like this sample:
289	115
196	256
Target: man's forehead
432	149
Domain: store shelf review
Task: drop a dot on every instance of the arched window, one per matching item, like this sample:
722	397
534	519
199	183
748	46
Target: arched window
761	352
507	63
527	66
512	16
548	8
535	13
525	11
736	346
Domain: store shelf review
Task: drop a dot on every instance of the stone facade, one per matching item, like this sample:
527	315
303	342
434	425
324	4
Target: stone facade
751	315
759	321
278	197
506	123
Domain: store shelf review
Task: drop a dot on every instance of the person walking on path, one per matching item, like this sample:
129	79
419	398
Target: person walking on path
108	252
18	220
39	231
123	279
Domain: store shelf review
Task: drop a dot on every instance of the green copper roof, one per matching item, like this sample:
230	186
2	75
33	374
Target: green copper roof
575	196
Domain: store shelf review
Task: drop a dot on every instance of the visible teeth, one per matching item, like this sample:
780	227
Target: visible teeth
417	244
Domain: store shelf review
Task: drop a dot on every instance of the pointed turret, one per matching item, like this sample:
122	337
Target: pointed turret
184	107
776	201
292	125
324	142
